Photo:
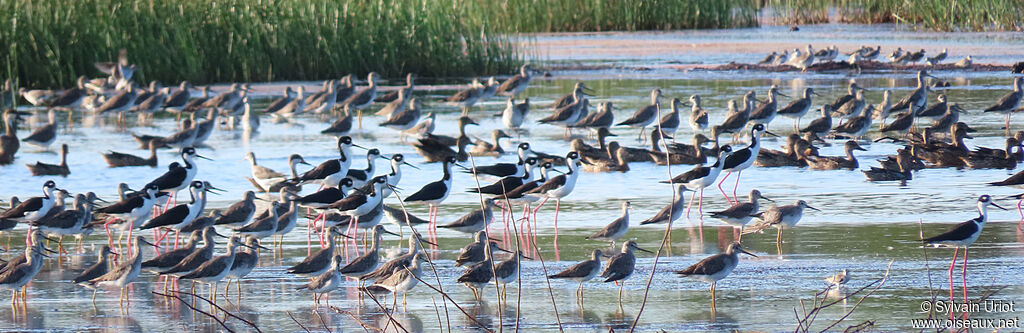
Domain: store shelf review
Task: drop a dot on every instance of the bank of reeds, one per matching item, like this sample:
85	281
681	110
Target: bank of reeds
940	15
608	15
50	42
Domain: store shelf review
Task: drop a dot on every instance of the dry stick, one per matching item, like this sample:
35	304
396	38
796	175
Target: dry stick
668	227
391	319
551	293
924	250
250	323
431	262
449	298
519	268
322	322
297	322
438	313
494	274
880	283
366	327
221	322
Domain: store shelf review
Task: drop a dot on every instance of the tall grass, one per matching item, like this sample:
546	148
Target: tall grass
941	15
606	15
50	42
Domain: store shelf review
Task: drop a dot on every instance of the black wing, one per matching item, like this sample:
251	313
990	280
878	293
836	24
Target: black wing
321	171
325	196
430	191
499	170
123	207
737	158
30	205
960	232
699	171
551	184
170	179
350	202
172	216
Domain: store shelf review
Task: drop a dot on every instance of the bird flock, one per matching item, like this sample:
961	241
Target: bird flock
348	199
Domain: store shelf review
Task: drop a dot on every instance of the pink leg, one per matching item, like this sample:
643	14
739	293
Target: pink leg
1021	213
130	228
106	228
951	265
737	185
557	203
965	279
722	190
700	205
690	204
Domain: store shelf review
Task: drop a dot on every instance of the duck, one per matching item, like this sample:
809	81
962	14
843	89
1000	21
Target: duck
115	159
988	158
903	173
43	169
619	164
837	162
484	148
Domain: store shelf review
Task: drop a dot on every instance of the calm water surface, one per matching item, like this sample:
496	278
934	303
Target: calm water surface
863	226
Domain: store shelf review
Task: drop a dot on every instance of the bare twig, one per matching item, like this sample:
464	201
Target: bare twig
221	322
879	282
445	295
391	319
366	327
297	322
250	323
494	274
433	269
322	322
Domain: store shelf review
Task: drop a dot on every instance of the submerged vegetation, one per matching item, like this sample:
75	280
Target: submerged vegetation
941	15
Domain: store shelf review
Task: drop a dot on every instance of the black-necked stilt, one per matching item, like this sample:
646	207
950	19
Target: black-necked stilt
131	211
616	229
645	115
620	266
396	173
781	217
434	193
45	135
34	208
506	169
739	214
360	177
741	159
837	162
560	186
516	84
179	216
509	183
179	177
330	172
716	267
963	235
696	180
125	273
581	272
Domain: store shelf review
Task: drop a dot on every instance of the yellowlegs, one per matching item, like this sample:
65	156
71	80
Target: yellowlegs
966	62
45	135
215	269
244	263
963	235
765	113
173	257
716	267
38	97
98	269
568	115
325	282
468	97
18	276
918	98
768	59
478	275
837	162
342	125
402	280
932	61
326	101
364	98
739	214
179	98
780	217
476	220
368	262
45	169
821	126
858	125
121	102
1009	102
474	252
616	229
743	158
264	227
125	273
515	113
581	272
239	213
645	115
319	261
508	271
516	84
621	266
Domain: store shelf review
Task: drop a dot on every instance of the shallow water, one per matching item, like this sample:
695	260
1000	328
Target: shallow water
863	226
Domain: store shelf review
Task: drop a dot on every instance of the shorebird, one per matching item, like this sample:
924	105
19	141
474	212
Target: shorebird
515	113
45	135
616	229
480	274
696	180
765	113
131	211
508	271
780	217
858	125
361	203
837	162
325	282
932	61
179	177
18	276
918	98
34	208
475	221
741	159
698	116
434	193
466	98
361	177
739	214
215	269
670	122
169	259
716	267
407	90
404	115
474	252
178	217
124	274
330	172
821	126
1009	102
45	169
853	107
261	228
364	98
368	262
71	98
797	108
244	263
964	63
581	272
558	187
239	213
96	270
963	235
401	281
343	125
505	169
620	266
645	115
516	84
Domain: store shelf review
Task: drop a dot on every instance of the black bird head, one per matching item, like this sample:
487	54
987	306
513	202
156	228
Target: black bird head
380	179
524	146
531	161
345	140
398	158
373	153
572	155
450	160
49	184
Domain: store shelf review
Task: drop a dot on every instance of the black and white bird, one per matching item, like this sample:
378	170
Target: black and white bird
180	176
131	211
330	172
511	182
359	203
180	216
697	179
505	169
743	158
360	177
35	208
434	193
